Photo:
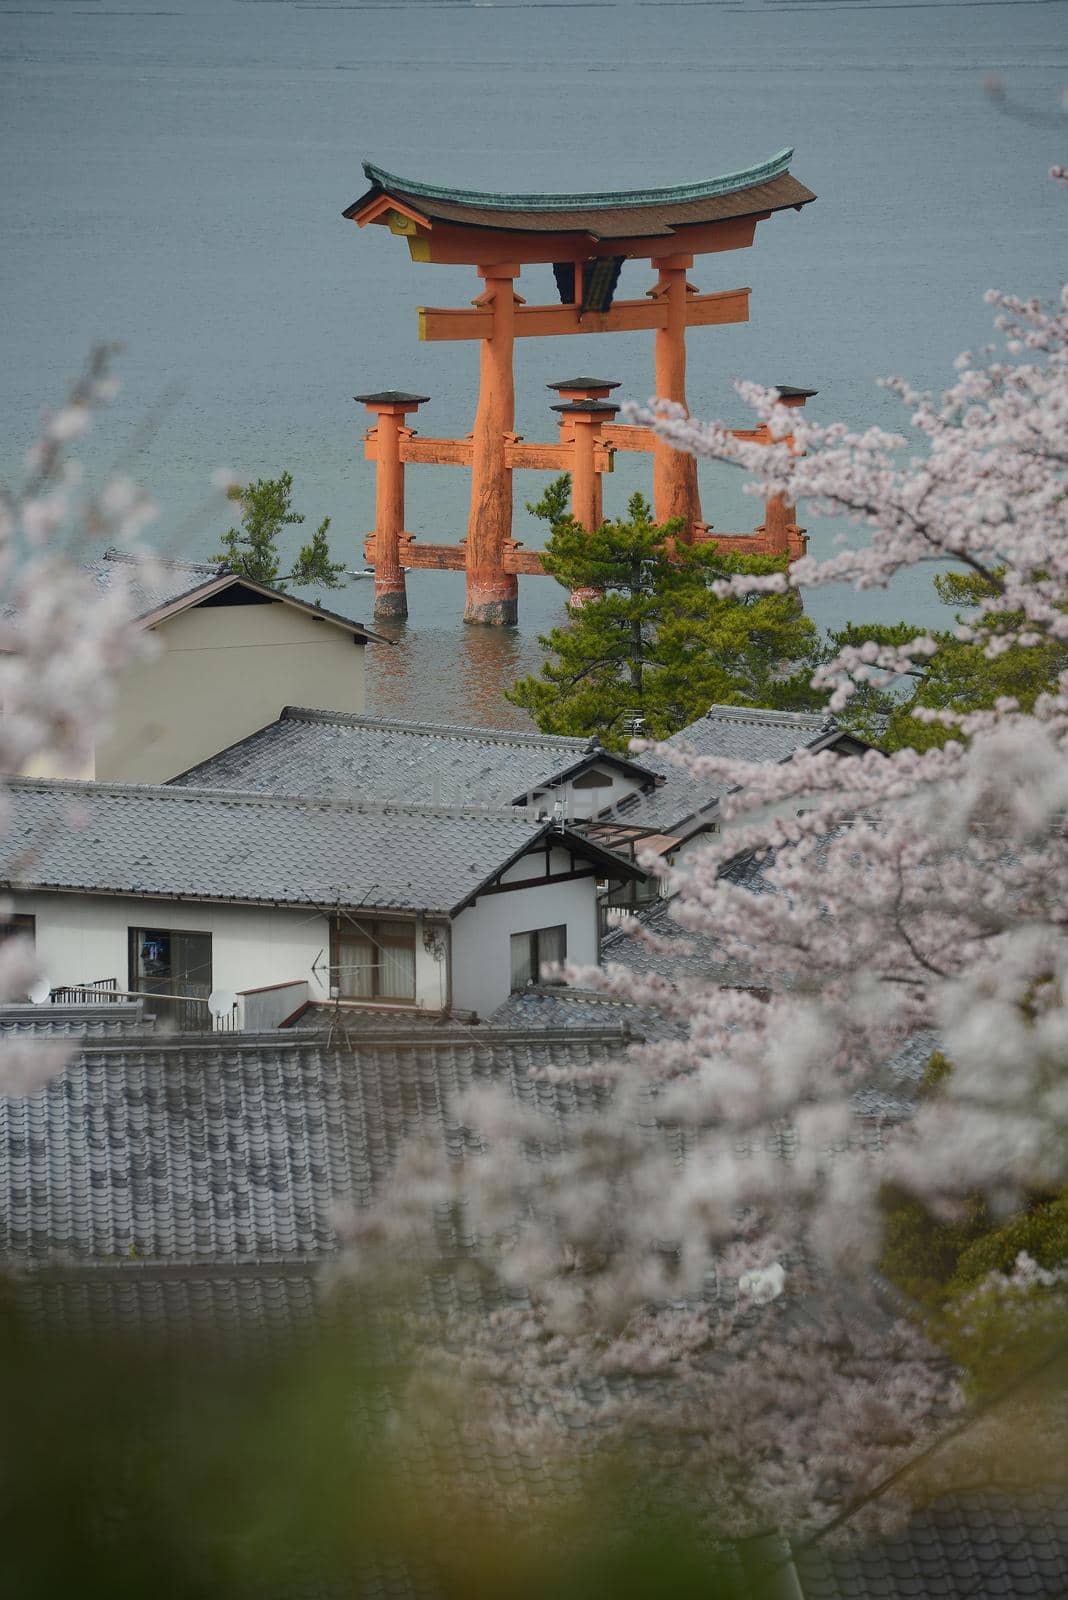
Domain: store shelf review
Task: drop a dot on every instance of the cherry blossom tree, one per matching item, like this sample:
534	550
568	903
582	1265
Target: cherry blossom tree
62	638
709	1211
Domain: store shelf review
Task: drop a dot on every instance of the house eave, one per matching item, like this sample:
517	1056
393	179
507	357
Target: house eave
184	897
227	580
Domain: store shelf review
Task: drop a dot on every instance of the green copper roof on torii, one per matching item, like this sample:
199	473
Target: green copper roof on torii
728	183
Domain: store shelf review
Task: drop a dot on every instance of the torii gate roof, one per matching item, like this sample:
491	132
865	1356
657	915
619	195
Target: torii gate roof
621	219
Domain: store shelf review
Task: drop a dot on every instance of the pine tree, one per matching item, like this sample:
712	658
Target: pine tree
252	550
653	641
960	677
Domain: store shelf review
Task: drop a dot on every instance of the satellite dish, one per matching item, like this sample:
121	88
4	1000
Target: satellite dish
221	1002
40	992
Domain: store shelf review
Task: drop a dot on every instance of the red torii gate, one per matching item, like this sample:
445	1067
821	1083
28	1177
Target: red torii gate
586	238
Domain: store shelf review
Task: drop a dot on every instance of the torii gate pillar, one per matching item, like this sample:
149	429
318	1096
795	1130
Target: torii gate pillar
492	593
675	492
389	409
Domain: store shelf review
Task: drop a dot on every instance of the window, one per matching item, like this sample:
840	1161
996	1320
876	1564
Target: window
373	960
532	951
168	961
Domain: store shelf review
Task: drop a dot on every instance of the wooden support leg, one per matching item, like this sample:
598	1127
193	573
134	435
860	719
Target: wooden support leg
391	594
675	492
776	537
585	417
389	409
493	593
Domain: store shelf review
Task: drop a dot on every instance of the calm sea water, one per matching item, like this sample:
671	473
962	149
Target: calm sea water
173	176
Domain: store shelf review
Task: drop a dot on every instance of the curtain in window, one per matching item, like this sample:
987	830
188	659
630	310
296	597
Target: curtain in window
552	946
356	967
397	966
377	962
522	960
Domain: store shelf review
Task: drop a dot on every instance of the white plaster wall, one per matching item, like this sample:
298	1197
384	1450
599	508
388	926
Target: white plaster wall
84	937
481	936
533	865
223	672
260	1010
579	804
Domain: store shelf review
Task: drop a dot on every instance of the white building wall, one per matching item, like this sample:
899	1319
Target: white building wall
481	935
81	938
580	804
224	672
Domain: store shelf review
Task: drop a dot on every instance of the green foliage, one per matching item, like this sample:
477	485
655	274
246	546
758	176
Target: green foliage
935	1073
138	1465
252	550
994	1331
958	678
1041	1231
997	1332
921	1252
653	638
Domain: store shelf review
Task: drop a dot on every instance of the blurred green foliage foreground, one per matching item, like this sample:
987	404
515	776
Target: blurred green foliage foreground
132	1467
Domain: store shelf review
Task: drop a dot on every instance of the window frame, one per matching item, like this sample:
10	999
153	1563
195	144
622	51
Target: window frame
537	959
135	937
375	931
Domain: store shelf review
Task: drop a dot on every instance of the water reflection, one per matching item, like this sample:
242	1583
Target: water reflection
437	669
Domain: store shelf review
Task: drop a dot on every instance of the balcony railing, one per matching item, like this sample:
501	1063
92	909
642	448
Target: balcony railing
175	1013
101	992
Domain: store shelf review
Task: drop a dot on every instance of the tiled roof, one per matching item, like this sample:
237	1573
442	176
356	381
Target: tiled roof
703	962
229	1303
149	587
107	1020
328	752
166	1190
202	844
727	183
738	733
212	1152
158	583
549	1006
978	1547
613	213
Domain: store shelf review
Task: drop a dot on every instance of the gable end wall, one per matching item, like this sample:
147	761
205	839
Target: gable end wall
224	672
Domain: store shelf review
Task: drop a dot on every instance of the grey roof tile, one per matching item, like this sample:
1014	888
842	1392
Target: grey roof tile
966	1548
104	1020
740	733
265	1301
699	958
544	1006
149	587
327	752
238	1152
192	843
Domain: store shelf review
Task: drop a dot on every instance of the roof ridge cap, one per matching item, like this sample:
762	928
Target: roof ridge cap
260	797
151	559
821	719
726	183
359	719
